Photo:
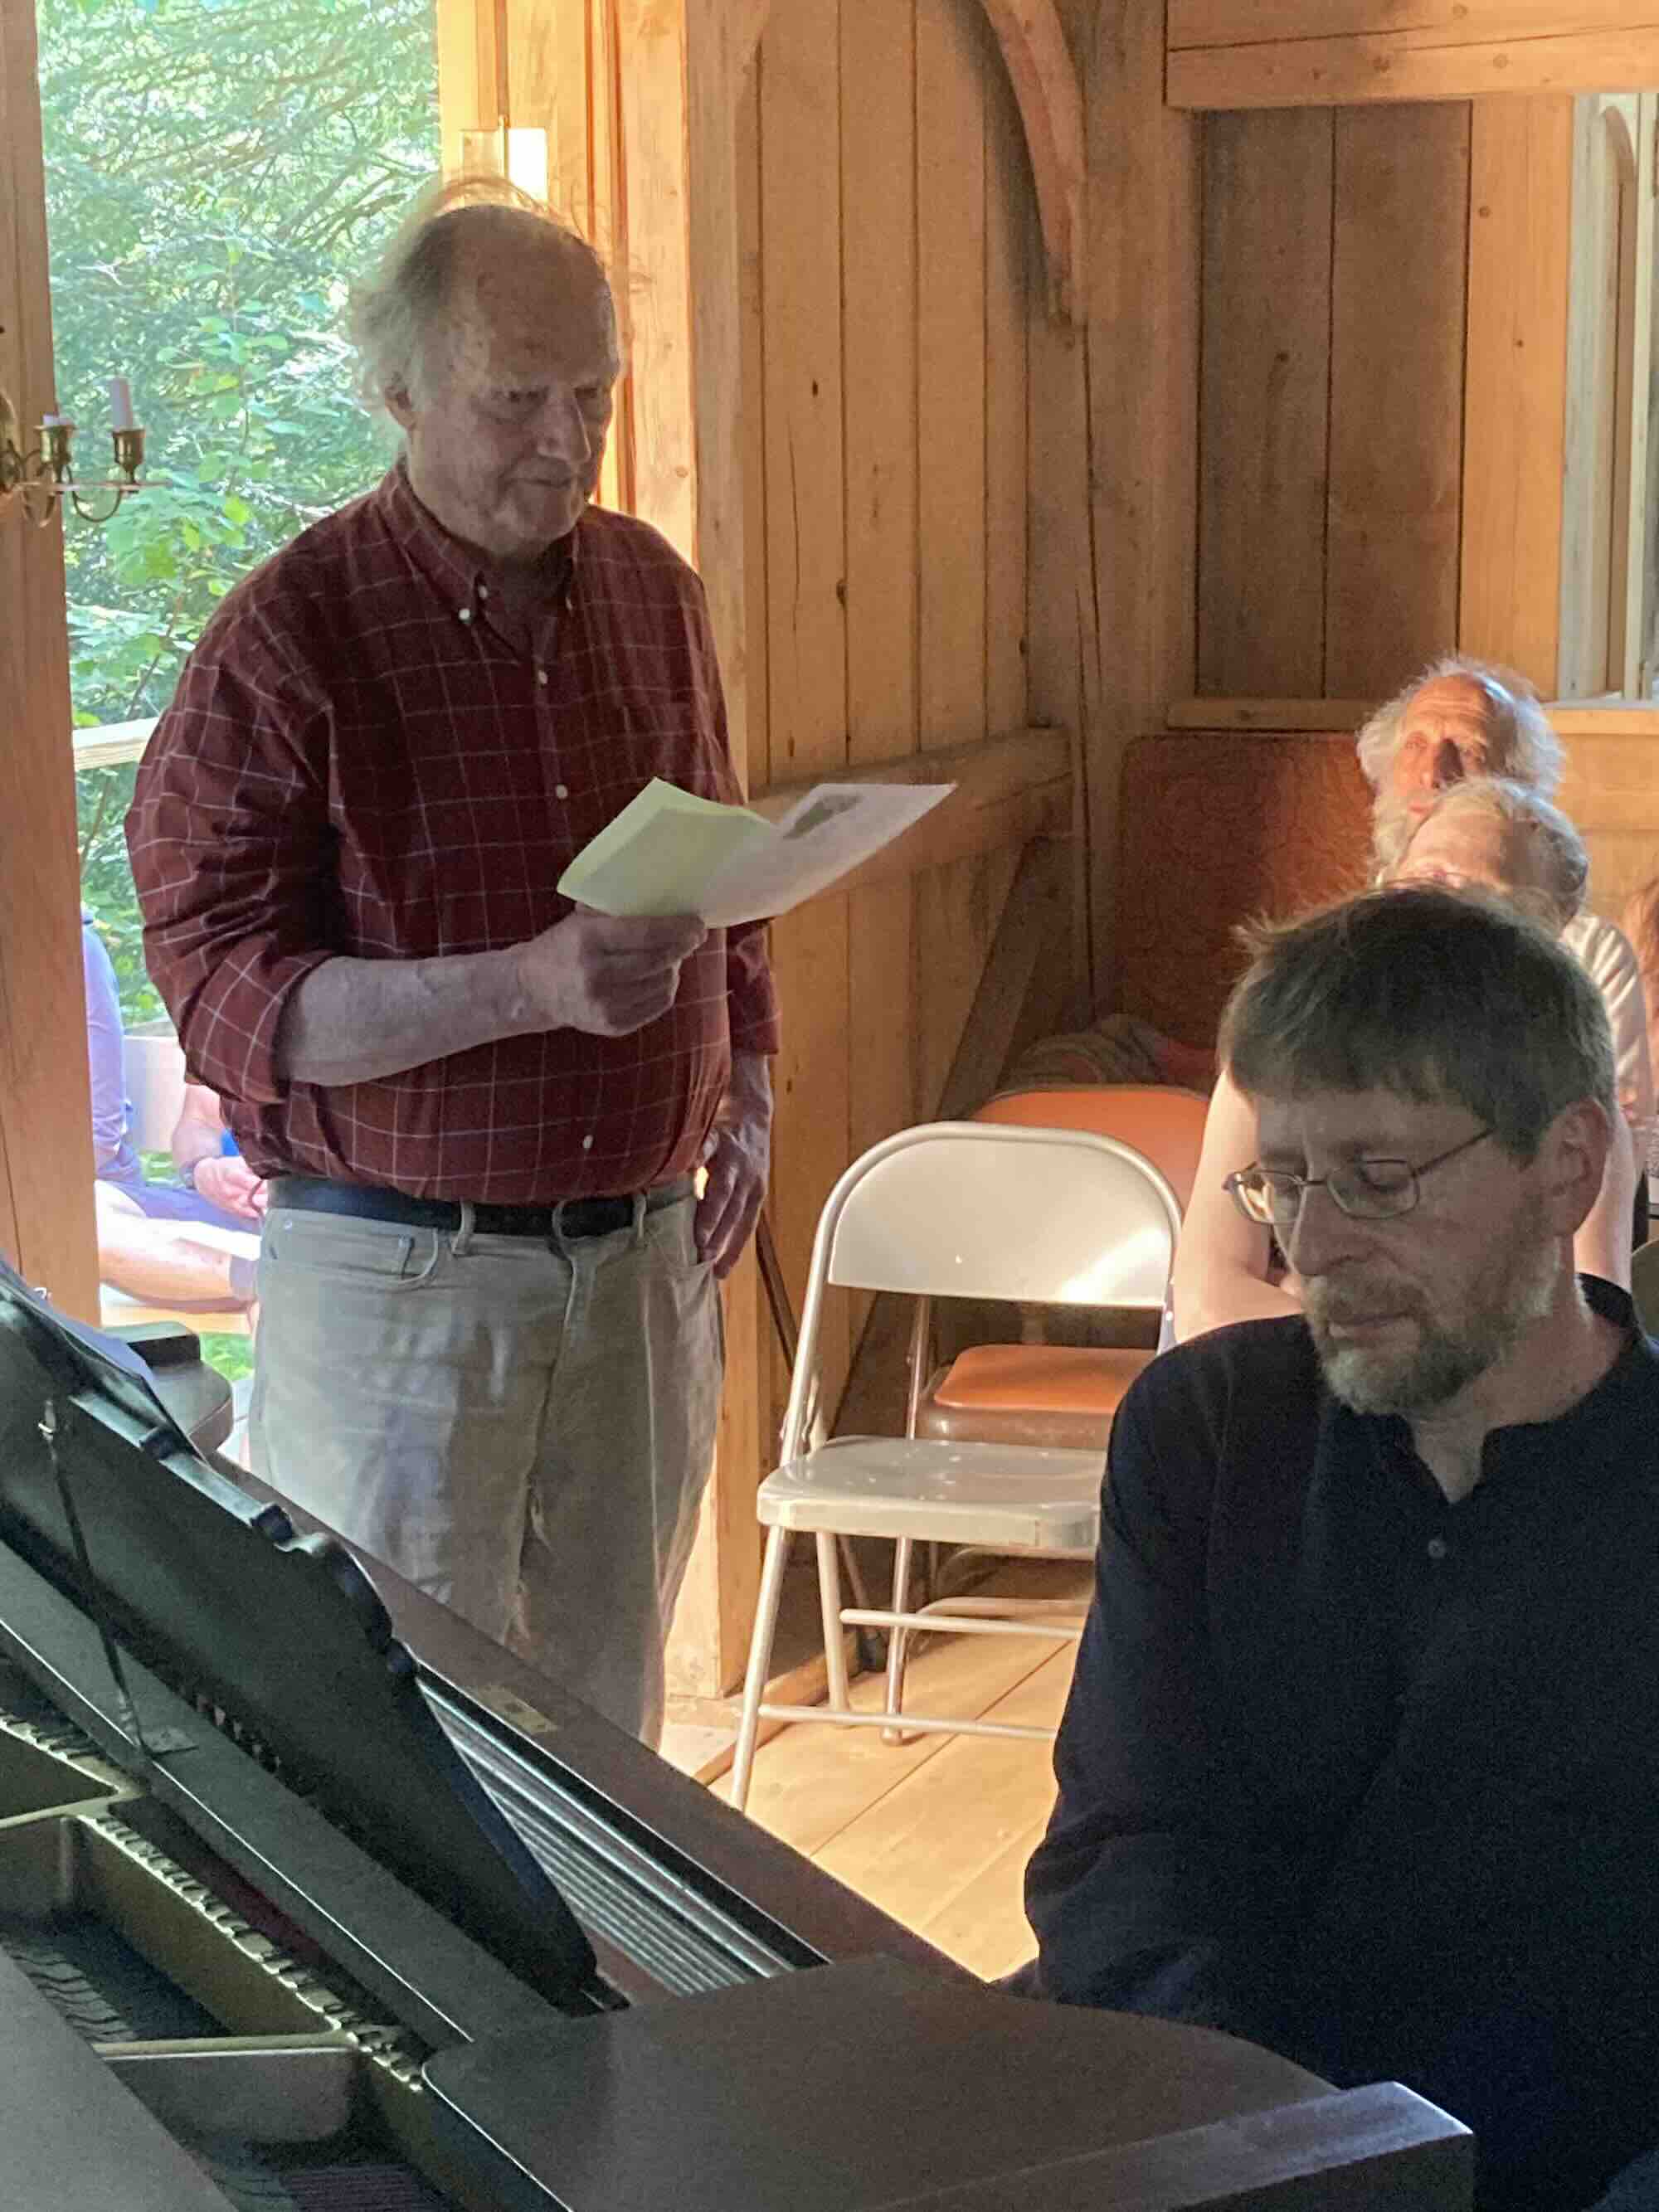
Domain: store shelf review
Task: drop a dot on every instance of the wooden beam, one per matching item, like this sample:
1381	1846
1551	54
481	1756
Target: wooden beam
1008	790
1039	64
46	1115
1141	458
1452	22
471	67
1569	717
1033	922
709	1645
1396	442
654	264
1268	714
1515	384
1051	108
1264	391
1394	50
1574	719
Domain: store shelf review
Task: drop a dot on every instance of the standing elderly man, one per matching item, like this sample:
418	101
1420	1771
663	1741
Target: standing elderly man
490	1342
1362	1755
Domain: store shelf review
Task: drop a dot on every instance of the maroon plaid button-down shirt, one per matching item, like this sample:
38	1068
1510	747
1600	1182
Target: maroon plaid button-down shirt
358	762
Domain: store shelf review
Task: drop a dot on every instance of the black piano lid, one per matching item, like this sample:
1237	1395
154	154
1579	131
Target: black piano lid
284	1634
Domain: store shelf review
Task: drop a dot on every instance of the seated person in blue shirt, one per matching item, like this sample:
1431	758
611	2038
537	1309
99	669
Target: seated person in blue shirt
144	1244
1361	1759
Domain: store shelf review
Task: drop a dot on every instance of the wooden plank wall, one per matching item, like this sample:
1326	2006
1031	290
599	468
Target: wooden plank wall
1331	384
45	1123
887	205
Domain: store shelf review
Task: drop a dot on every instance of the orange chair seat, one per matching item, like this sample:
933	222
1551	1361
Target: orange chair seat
1056	1396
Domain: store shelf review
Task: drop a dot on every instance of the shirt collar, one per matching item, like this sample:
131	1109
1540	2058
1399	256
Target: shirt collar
452	568
1626	1389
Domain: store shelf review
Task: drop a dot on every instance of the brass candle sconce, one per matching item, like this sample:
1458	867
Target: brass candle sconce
40	476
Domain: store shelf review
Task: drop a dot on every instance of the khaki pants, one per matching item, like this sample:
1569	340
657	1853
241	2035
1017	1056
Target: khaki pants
522	1430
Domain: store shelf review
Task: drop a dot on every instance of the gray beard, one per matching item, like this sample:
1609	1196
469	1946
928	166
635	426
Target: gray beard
1514	1291
1392	824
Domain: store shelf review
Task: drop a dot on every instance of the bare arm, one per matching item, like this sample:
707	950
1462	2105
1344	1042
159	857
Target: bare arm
1602	1246
1220	1272
199	1154
738	1155
353	1021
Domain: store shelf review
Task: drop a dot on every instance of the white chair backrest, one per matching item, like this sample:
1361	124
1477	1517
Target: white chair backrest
972	1209
983	1210
153	1069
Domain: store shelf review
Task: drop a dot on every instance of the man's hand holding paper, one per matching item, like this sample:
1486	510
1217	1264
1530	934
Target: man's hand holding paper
671	851
607	975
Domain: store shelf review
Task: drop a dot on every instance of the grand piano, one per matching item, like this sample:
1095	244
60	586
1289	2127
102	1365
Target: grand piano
314	1900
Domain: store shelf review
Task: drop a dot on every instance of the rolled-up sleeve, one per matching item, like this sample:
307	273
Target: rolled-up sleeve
751	995
230	840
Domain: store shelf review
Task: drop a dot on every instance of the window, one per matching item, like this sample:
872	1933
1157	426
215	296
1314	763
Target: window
1610	514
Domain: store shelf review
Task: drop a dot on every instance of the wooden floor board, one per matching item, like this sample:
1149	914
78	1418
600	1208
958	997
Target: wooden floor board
934	1837
937	1831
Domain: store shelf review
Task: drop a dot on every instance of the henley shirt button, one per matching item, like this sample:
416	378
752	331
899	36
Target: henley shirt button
587	1144
562	791
541	676
462	613
1439	1547
483	591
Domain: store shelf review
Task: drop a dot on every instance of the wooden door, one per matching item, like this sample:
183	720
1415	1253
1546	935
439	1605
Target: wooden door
45	1123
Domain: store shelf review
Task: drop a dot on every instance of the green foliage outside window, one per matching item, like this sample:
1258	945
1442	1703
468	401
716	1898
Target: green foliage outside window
216	170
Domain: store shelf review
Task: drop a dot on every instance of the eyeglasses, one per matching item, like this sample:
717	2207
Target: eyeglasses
1367	1190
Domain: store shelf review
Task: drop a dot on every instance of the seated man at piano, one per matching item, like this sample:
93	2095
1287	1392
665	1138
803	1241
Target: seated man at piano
1361	1758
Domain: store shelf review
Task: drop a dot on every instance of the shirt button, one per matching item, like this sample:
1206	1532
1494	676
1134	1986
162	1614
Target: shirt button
483	591
462	613
1439	1547
562	791
541	675
587	1144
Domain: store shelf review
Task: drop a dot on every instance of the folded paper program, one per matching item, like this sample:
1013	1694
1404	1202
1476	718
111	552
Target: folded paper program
670	851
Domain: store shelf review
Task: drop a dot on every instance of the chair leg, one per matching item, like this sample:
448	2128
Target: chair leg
898	1638
867	1641
834	1651
760	1659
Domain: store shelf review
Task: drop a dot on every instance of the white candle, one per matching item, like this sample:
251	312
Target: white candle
120	405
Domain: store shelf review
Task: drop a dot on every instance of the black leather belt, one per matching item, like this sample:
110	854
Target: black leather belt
570	1217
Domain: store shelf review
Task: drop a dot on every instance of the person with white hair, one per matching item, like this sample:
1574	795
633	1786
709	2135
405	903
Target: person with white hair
1462	717
1486	834
490	1347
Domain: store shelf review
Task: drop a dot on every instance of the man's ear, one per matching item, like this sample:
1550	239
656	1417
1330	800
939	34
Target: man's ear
1571	1160
399	405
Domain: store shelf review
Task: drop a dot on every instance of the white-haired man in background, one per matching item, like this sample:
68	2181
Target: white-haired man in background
1463	717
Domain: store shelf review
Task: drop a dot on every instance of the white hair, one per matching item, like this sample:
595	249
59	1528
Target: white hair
396	307
1528	750
1560	864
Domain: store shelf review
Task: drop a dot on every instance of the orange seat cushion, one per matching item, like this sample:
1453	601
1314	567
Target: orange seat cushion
1058	1396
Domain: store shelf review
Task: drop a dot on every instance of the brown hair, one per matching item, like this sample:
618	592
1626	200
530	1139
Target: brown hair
1430	992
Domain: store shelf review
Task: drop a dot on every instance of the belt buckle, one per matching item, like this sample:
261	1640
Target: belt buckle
558	1218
